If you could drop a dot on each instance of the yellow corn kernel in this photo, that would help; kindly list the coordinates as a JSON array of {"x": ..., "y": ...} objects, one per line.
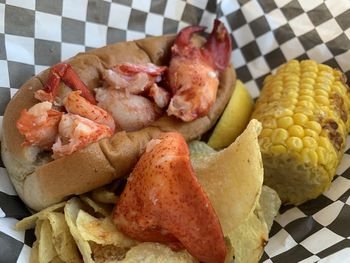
[
  {"x": 322, "y": 86},
  {"x": 326, "y": 78},
  {"x": 269, "y": 123},
  {"x": 277, "y": 83},
  {"x": 292, "y": 78},
  {"x": 309, "y": 142},
  {"x": 309, "y": 74},
  {"x": 291, "y": 83},
  {"x": 265, "y": 143},
  {"x": 338, "y": 74},
  {"x": 300, "y": 118},
  {"x": 314, "y": 125},
  {"x": 306, "y": 98},
  {"x": 307, "y": 92},
  {"x": 292, "y": 93},
  {"x": 322, "y": 100},
  {"x": 307, "y": 85},
  {"x": 282, "y": 112},
  {"x": 275, "y": 96},
  {"x": 291, "y": 87},
  {"x": 296, "y": 130},
  {"x": 323, "y": 67},
  {"x": 321, "y": 92},
  {"x": 338, "y": 88},
  {"x": 308, "y": 82},
  {"x": 285, "y": 122},
  {"x": 278, "y": 149},
  {"x": 309, "y": 67},
  {"x": 304, "y": 110},
  {"x": 309, "y": 63},
  {"x": 294, "y": 143},
  {"x": 324, "y": 133},
  {"x": 328, "y": 74},
  {"x": 288, "y": 100},
  {"x": 268, "y": 79},
  {"x": 279, "y": 136},
  {"x": 309, "y": 156},
  {"x": 324, "y": 81},
  {"x": 274, "y": 104},
  {"x": 307, "y": 104},
  {"x": 311, "y": 133},
  {"x": 291, "y": 65},
  {"x": 322, "y": 155},
  {"x": 324, "y": 142},
  {"x": 265, "y": 133},
  {"x": 288, "y": 105}
]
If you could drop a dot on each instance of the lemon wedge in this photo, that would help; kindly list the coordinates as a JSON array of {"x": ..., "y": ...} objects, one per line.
[{"x": 234, "y": 119}]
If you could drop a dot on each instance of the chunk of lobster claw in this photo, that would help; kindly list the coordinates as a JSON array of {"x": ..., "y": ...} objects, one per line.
[
  {"x": 65, "y": 73},
  {"x": 164, "y": 202},
  {"x": 193, "y": 71}
]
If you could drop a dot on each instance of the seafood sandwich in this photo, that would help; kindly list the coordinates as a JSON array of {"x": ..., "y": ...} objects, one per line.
[{"x": 86, "y": 121}]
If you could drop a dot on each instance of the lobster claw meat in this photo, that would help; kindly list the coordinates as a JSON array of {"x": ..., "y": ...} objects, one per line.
[
  {"x": 218, "y": 47},
  {"x": 193, "y": 71},
  {"x": 164, "y": 202},
  {"x": 65, "y": 73},
  {"x": 216, "y": 50}
]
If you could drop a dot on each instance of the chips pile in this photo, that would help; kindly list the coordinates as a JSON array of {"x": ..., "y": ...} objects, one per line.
[{"x": 81, "y": 229}]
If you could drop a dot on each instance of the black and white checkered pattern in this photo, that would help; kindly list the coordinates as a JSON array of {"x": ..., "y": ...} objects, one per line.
[{"x": 265, "y": 34}]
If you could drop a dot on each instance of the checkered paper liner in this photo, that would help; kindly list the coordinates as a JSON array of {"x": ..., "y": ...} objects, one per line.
[{"x": 37, "y": 34}]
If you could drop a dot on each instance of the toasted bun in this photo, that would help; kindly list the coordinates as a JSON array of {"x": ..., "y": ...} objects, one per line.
[{"x": 41, "y": 181}]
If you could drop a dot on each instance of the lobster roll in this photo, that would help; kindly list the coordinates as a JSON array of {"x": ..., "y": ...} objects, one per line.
[{"x": 86, "y": 121}]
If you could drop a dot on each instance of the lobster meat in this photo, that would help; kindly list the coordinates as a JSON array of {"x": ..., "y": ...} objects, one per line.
[
  {"x": 193, "y": 71},
  {"x": 164, "y": 202}
]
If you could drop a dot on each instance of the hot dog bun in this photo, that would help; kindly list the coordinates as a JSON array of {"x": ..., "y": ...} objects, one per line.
[{"x": 41, "y": 181}]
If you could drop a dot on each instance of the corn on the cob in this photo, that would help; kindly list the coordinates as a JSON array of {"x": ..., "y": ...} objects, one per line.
[{"x": 304, "y": 110}]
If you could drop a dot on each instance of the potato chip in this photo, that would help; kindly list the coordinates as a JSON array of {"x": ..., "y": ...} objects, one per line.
[
  {"x": 249, "y": 238},
  {"x": 71, "y": 211},
  {"x": 34, "y": 253},
  {"x": 104, "y": 196},
  {"x": 37, "y": 232},
  {"x": 103, "y": 209},
  {"x": 101, "y": 231},
  {"x": 233, "y": 177},
  {"x": 57, "y": 259},
  {"x": 34, "y": 256},
  {"x": 270, "y": 204},
  {"x": 29, "y": 222},
  {"x": 46, "y": 249},
  {"x": 148, "y": 252},
  {"x": 199, "y": 148},
  {"x": 230, "y": 251},
  {"x": 62, "y": 239},
  {"x": 103, "y": 253}
]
